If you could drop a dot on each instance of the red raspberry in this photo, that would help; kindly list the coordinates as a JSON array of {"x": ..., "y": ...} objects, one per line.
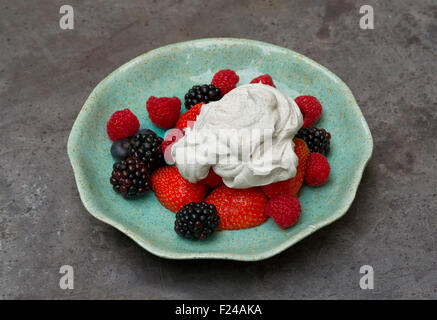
[
  {"x": 226, "y": 80},
  {"x": 284, "y": 209},
  {"x": 122, "y": 124},
  {"x": 264, "y": 79},
  {"x": 311, "y": 110},
  {"x": 170, "y": 138},
  {"x": 318, "y": 170},
  {"x": 164, "y": 112},
  {"x": 212, "y": 179}
]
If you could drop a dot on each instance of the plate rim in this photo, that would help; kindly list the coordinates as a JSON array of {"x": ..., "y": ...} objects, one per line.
[{"x": 88, "y": 203}]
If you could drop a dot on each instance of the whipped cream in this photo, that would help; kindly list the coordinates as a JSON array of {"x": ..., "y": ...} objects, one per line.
[{"x": 246, "y": 137}]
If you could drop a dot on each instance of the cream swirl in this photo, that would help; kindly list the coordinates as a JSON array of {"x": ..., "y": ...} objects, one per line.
[{"x": 246, "y": 137}]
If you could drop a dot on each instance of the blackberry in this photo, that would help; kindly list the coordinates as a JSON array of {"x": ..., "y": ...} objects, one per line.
[
  {"x": 318, "y": 140},
  {"x": 130, "y": 177},
  {"x": 145, "y": 145},
  {"x": 197, "y": 221},
  {"x": 204, "y": 93}
]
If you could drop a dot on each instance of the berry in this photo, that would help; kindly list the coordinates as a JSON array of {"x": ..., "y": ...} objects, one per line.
[
  {"x": 130, "y": 177},
  {"x": 164, "y": 112},
  {"x": 318, "y": 170},
  {"x": 189, "y": 117},
  {"x": 173, "y": 191},
  {"x": 292, "y": 185},
  {"x": 225, "y": 80},
  {"x": 204, "y": 93},
  {"x": 212, "y": 179},
  {"x": 311, "y": 110},
  {"x": 119, "y": 149},
  {"x": 122, "y": 124},
  {"x": 284, "y": 209},
  {"x": 146, "y": 146},
  {"x": 264, "y": 79},
  {"x": 196, "y": 221},
  {"x": 238, "y": 208},
  {"x": 170, "y": 138},
  {"x": 318, "y": 140}
]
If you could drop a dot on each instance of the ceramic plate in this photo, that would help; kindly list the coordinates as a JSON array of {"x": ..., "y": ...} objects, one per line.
[{"x": 171, "y": 71}]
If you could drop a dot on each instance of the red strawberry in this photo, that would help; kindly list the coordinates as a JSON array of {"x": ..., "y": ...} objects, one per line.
[
  {"x": 226, "y": 80},
  {"x": 173, "y": 191},
  {"x": 212, "y": 179},
  {"x": 264, "y": 79},
  {"x": 170, "y": 138},
  {"x": 238, "y": 208},
  {"x": 189, "y": 116},
  {"x": 311, "y": 110},
  {"x": 164, "y": 112},
  {"x": 291, "y": 186}
]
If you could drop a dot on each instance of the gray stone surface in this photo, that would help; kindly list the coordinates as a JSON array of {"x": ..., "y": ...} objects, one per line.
[{"x": 47, "y": 73}]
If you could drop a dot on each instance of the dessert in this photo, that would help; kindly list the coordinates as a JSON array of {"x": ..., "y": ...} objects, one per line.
[
  {"x": 238, "y": 156},
  {"x": 246, "y": 137}
]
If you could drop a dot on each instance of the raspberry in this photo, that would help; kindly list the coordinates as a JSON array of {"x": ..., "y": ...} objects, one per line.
[
  {"x": 122, "y": 124},
  {"x": 225, "y": 80},
  {"x": 318, "y": 170},
  {"x": 164, "y": 112},
  {"x": 264, "y": 79},
  {"x": 311, "y": 110},
  {"x": 284, "y": 209}
]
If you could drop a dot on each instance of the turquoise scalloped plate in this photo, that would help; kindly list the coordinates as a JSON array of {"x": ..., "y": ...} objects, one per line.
[{"x": 171, "y": 71}]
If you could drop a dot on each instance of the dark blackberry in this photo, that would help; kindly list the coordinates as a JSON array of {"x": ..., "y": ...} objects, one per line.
[
  {"x": 145, "y": 145},
  {"x": 130, "y": 177},
  {"x": 204, "y": 93},
  {"x": 197, "y": 221},
  {"x": 318, "y": 140}
]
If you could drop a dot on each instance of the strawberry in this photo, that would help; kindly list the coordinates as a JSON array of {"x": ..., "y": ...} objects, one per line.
[
  {"x": 238, "y": 208},
  {"x": 189, "y": 116},
  {"x": 293, "y": 185},
  {"x": 264, "y": 79},
  {"x": 212, "y": 179},
  {"x": 171, "y": 137},
  {"x": 173, "y": 191}
]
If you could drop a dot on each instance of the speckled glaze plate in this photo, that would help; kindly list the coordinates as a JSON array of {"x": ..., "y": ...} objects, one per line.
[{"x": 171, "y": 71}]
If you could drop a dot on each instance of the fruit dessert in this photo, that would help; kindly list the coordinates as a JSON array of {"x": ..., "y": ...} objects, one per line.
[{"x": 237, "y": 157}]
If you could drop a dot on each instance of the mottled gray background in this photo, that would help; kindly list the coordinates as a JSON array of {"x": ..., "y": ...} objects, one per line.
[{"x": 47, "y": 73}]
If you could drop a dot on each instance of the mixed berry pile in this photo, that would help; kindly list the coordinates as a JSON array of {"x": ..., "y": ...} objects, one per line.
[{"x": 206, "y": 206}]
